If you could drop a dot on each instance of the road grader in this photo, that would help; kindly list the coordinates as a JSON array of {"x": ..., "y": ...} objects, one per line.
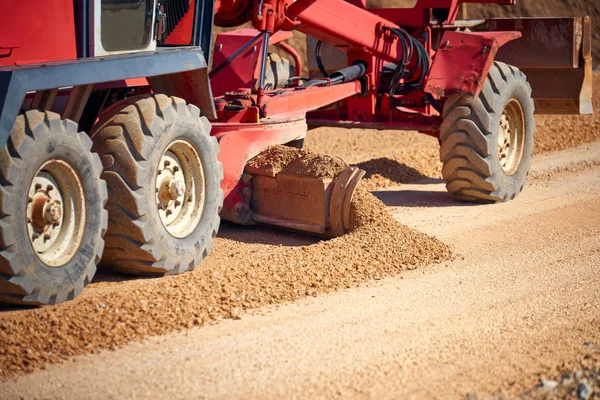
[{"x": 118, "y": 143}]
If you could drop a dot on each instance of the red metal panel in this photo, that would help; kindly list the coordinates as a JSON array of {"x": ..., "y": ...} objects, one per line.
[
  {"x": 182, "y": 34},
  {"x": 240, "y": 72},
  {"x": 463, "y": 61},
  {"x": 301, "y": 101},
  {"x": 37, "y": 31}
]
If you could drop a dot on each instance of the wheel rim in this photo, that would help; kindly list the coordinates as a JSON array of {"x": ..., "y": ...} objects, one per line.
[
  {"x": 180, "y": 188},
  {"x": 511, "y": 137},
  {"x": 55, "y": 213}
]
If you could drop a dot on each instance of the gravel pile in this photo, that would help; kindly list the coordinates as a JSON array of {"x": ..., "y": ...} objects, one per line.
[{"x": 248, "y": 268}]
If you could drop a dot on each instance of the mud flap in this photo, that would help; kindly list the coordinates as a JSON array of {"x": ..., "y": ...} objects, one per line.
[{"x": 556, "y": 56}]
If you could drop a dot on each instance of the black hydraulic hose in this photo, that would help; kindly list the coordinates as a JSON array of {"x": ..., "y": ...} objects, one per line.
[
  {"x": 410, "y": 46},
  {"x": 319, "y": 60},
  {"x": 344, "y": 75},
  {"x": 349, "y": 73}
]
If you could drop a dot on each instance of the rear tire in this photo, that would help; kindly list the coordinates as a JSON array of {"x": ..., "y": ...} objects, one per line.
[
  {"x": 52, "y": 216},
  {"x": 163, "y": 177},
  {"x": 487, "y": 142}
]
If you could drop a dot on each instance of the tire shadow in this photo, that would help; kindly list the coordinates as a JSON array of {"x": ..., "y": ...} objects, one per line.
[
  {"x": 254, "y": 234},
  {"x": 391, "y": 169},
  {"x": 437, "y": 196},
  {"x": 261, "y": 234}
]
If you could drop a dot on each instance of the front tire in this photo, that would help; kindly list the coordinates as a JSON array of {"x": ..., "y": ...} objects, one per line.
[
  {"x": 163, "y": 177},
  {"x": 52, "y": 216},
  {"x": 487, "y": 142}
]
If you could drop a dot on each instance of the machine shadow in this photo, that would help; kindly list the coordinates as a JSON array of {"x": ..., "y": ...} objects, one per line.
[
  {"x": 254, "y": 234},
  {"x": 391, "y": 169},
  {"x": 257, "y": 234},
  {"x": 436, "y": 197}
]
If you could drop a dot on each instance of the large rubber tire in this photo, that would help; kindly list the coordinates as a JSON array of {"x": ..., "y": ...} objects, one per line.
[
  {"x": 131, "y": 140},
  {"x": 36, "y": 139},
  {"x": 469, "y": 138}
]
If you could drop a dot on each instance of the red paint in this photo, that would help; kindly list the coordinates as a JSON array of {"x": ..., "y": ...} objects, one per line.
[
  {"x": 37, "y": 31},
  {"x": 463, "y": 61},
  {"x": 182, "y": 34}
]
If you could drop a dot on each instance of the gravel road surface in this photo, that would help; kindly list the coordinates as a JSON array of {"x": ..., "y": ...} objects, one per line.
[{"x": 519, "y": 303}]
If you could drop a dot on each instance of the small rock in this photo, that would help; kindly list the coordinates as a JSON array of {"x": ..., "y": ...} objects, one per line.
[
  {"x": 548, "y": 384},
  {"x": 578, "y": 374},
  {"x": 584, "y": 391}
]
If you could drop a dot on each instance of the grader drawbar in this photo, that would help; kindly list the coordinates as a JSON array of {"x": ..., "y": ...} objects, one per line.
[{"x": 118, "y": 146}]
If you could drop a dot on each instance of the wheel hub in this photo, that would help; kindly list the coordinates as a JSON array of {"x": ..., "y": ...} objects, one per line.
[
  {"x": 511, "y": 137},
  {"x": 180, "y": 188},
  {"x": 54, "y": 227}
]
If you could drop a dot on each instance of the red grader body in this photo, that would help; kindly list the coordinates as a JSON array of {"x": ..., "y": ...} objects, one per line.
[{"x": 117, "y": 144}]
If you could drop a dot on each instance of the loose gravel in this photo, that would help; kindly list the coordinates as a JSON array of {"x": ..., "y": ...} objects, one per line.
[{"x": 248, "y": 268}]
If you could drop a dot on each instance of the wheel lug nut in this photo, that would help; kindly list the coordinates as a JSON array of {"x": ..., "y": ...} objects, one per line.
[
  {"x": 177, "y": 203},
  {"x": 167, "y": 163},
  {"x": 46, "y": 237},
  {"x": 169, "y": 212},
  {"x": 38, "y": 186},
  {"x": 175, "y": 169},
  {"x": 55, "y": 223},
  {"x": 49, "y": 188},
  {"x": 35, "y": 235}
]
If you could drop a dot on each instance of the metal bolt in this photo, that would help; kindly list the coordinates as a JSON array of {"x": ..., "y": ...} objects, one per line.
[
  {"x": 49, "y": 188},
  {"x": 177, "y": 203},
  {"x": 38, "y": 186},
  {"x": 46, "y": 237},
  {"x": 35, "y": 235},
  {"x": 169, "y": 212},
  {"x": 175, "y": 168},
  {"x": 56, "y": 223},
  {"x": 167, "y": 163}
]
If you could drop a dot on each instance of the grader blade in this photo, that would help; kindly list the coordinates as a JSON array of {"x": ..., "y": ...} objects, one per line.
[
  {"x": 556, "y": 56},
  {"x": 319, "y": 206}
]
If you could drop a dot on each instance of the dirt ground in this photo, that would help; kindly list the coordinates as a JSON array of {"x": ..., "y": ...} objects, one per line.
[
  {"x": 251, "y": 268},
  {"x": 519, "y": 303},
  {"x": 426, "y": 297}
]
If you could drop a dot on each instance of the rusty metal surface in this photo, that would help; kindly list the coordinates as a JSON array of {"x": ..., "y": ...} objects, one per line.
[
  {"x": 555, "y": 54},
  {"x": 545, "y": 42},
  {"x": 319, "y": 206}
]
